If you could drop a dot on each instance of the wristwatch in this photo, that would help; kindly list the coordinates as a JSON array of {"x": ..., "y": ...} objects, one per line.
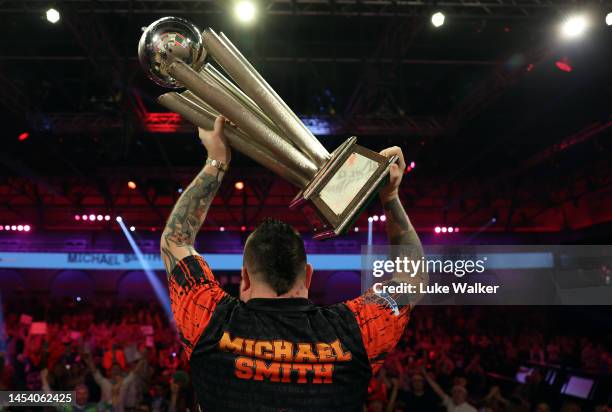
[{"x": 217, "y": 164}]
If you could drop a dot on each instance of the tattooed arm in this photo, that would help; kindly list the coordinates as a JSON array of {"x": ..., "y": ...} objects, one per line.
[
  {"x": 188, "y": 215},
  {"x": 403, "y": 239}
]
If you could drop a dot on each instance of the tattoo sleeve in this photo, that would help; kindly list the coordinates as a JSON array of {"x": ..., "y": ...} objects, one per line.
[
  {"x": 404, "y": 241},
  {"x": 188, "y": 216}
]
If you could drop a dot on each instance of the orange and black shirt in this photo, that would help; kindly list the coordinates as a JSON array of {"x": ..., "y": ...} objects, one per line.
[{"x": 281, "y": 354}]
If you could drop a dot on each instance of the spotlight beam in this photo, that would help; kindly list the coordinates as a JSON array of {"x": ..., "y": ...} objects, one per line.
[{"x": 160, "y": 292}]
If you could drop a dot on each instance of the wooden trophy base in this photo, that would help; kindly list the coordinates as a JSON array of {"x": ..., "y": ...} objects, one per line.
[{"x": 342, "y": 188}]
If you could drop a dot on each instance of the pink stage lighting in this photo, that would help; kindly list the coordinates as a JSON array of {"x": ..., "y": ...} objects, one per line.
[{"x": 16, "y": 228}]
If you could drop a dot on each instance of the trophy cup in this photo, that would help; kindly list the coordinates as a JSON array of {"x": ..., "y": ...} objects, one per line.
[{"x": 334, "y": 188}]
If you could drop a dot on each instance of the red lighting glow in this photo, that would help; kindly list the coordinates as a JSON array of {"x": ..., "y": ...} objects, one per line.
[
  {"x": 243, "y": 228},
  {"x": 162, "y": 122},
  {"x": 77, "y": 217},
  {"x": 563, "y": 65},
  {"x": 23, "y": 136}
]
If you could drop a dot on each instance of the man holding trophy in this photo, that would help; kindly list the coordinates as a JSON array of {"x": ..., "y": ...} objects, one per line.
[{"x": 271, "y": 349}]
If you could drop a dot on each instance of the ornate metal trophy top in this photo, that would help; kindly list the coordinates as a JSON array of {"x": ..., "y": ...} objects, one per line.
[
  {"x": 334, "y": 187},
  {"x": 164, "y": 41}
]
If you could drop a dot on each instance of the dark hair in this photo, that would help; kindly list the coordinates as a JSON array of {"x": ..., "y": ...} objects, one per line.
[{"x": 275, "y": 251}]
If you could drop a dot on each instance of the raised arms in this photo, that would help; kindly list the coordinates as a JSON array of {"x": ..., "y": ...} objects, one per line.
[
  {"x": 403, "y": 239},
  {"x": 188, "y": 214}
]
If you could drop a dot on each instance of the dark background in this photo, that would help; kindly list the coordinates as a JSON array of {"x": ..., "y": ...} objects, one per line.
[{"x": 494, "y": 127}]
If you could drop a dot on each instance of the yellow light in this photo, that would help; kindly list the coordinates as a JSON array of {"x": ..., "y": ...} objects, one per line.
[{"x": 245, "y": 11}]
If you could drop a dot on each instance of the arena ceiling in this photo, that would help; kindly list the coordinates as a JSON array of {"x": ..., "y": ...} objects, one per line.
[{"x": 495, "y": 128}]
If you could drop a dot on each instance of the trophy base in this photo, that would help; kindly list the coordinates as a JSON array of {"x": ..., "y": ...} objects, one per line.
[{"x": 342, "y": 188}]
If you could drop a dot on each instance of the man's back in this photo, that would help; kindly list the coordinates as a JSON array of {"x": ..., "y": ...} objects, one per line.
[
  {"x": 276, "y": 352},
  {"x": 279, "y": 354}
]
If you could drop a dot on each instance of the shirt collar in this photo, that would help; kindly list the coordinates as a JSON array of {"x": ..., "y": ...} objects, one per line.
[{"x": 281, "y": 304}]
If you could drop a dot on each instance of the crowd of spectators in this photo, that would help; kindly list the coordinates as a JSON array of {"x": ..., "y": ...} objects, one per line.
[{"x": 127, "y": 357}]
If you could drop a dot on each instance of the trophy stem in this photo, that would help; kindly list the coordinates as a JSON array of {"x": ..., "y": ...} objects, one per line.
[
  {"x": 243, "y": 73},
  {"x": 204, "y": 118},
  {"x": 223, "y": 82},
  {"x": 243, "y": 117}
]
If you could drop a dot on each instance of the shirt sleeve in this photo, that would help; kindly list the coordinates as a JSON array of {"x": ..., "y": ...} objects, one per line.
[
  {"x": 381, "y": 322},
  {"x": 194, "y": 295}
]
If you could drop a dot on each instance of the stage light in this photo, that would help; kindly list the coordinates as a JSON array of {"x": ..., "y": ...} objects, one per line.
[
  {"x": 451, "y": 229},
  {"x": 609, "y": 19},
  {"x": 564, "y": 65},
  {"x": 412, "y": 165},
  {"x": 7, "y": 227},
  {"x": 375, "y": 218},
  {"x": 370, "y": 219},
  {"x": 444, "y": 229},
  {"x": 180, "y": 190},
  {"x": 132, "y": 229},
  {"x": 437, "y": 19},
  {"x": 92, "y": 217},
  {"x": 493, "y": 219},
  {"x": 456, "y": 229},
  {"x": 131, "y": 184},
  {"x": 78, "y": 299},
  {"x": 239, "y": 185},
  {"x": 100, "y": 217},
  {"x": 26, "y": 228},
  {"x": 53, "y": 16},
  {"x": 119, "y": 219},
  {"x": 243, "y": 228},
  {"x": 23, "y": 136},
  {"x": 1, "y": 228},
  {"x": 437, "y": 229},
  {"x": 77, "y": 217},
  {"x": 356, "y": 229},
  {"x": 574, "y": 26},
  {"x": 222, "y": 229},
  {"x": 20, "y": 228},
  {"x": 383, "y": 218},
  {"x": 245, "y": 11},
  {"x": 14, "y": 227},
  {"x": 107, "y": 218}
]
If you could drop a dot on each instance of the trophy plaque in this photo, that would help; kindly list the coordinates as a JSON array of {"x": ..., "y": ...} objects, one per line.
[{"x": 334, "y": 187}]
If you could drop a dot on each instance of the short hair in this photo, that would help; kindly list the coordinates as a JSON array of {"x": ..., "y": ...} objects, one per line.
[{"x": 275, "y": 251}]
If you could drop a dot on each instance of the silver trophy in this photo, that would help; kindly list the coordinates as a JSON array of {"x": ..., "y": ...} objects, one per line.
[{"x": 334, "y": 188}]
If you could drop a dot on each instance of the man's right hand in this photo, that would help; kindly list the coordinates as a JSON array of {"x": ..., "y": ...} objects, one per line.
[{"x": 215, "y": 142}]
